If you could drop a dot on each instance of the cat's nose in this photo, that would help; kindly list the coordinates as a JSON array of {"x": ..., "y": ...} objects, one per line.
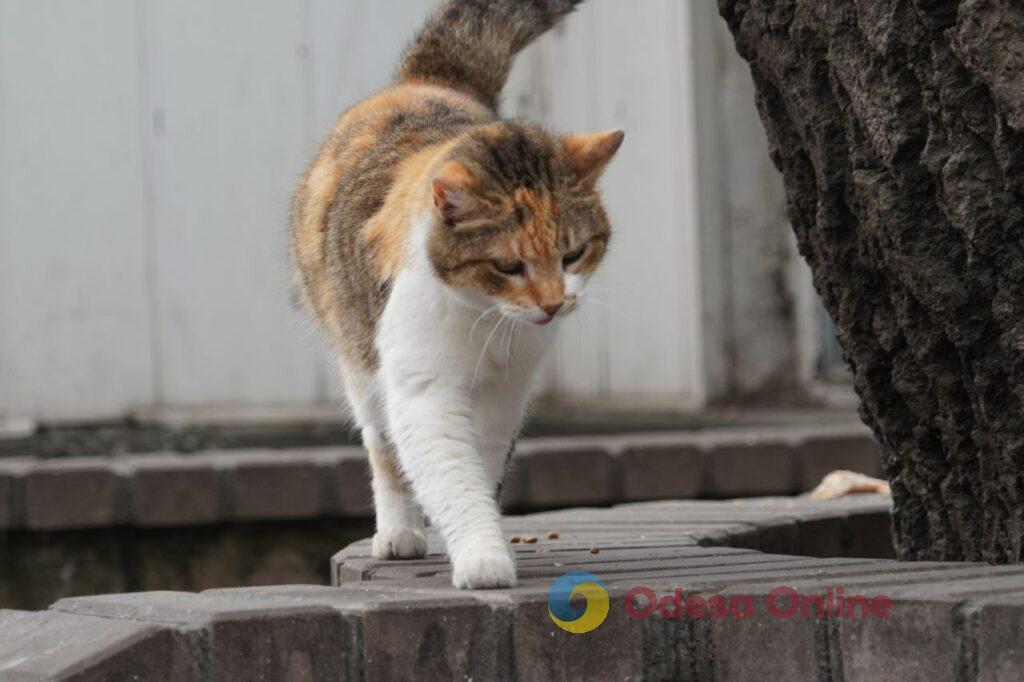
[{"x": 552, "y": 308}]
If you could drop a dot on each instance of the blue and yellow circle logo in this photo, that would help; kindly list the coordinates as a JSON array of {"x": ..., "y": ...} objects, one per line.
[{"x": 581, "y": 619}]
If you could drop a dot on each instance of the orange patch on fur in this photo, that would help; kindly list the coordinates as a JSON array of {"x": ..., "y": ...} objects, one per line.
[
  {"x": 538, "y": 234},
  {"x": 321, "y": 183},
  {"x": 387, "y": 234},
  {"x": 385, "y": 469},
  {"x": 537, "y": 241},
  {"x": 319, "y": 188}
]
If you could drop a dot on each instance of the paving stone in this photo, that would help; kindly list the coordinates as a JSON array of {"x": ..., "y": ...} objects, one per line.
[
  {"x": 7, "y": 481},
  {"x": 925, "y": 619},
  {"x": 343, "y": 476},
  {"x": 355, "y": 497},
  {"x": 434, "y": 588},
  {"x": 879, "y": 649},
  {"x": 728, "y": 575},
  {"x": 568, "y": 471},
  {"x": 172, "y": 490},
  {"x": 987, "y": 582},
  {"x": 240, "y": 639},
  {"x": 672, "y": 569},
  {"x": 765, "y": 646},
  {"x": 749, "y": 464},
  {"x": 515, "y": 489},
  {"x": 269, "y": 485},
  {"x": 660, "y": 468},
  {"x": 818, "y": 455},
  {"x": 821, "y": 537},
  {"x": 999, "y": 624},
  {"x": 673, "y": 649},
  {"x": 898, "y": 581},
  {"x": 869, "y": 535},
  {"x": 902, "y": 582},
  {"x": 779, "y": 537},
  {"x": 53, "y": 645},
  {"x": 314, "y": 481},
  {"x": 443, "y": 640},
  {"x": 346, "y": 600},
  {"x": 543, "y": 651},
  {"x": 641, "y": 557},
  {"x": 947, "y": 621},
  {"x": 69, "y": 493},
  {"x": 436, "y": 634},
  {"x": 582, "y": 528}
]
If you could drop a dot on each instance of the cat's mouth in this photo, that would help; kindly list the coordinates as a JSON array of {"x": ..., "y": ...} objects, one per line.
[{"x": 544, "y": 320}]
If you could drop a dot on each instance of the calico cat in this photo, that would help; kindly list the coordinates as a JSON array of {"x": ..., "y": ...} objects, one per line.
[{"x": 438, "y": 245}]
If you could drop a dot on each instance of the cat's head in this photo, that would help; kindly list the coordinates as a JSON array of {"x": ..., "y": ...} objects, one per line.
[{"x": 518, "y": 220}]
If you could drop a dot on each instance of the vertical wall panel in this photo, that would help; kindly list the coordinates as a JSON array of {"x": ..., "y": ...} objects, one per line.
[
  {"x": 74, "y": 321},
  {"x": 652, "y": 264},
  {"x": 227, "y": 90}
]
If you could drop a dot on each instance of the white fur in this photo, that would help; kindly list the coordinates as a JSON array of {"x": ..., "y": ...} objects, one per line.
[{"x": 454, "y": 380}]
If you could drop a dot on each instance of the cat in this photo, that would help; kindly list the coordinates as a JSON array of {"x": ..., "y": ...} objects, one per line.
[{"x": 438, "y": 245}]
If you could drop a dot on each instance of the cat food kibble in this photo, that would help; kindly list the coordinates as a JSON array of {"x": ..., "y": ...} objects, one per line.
[
  {"x": 529, "y": 539},
  {"x": 552, "y": 535},
  {"x": 594, "y": 550},
  {"x": 514, "y": 539}
]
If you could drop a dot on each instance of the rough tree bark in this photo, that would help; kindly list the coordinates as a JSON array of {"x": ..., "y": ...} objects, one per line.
[{"x": 898, "y": 126}]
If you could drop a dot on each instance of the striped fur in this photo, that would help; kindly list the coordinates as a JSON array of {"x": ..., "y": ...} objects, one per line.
[{"x": 469, "y": 45}]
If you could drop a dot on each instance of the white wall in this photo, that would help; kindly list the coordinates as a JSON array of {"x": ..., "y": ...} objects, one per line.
[
  {"x": 76, "y": 324},
  {"x": 760, "y": 309},
  {"x": 148, "y": 150}
]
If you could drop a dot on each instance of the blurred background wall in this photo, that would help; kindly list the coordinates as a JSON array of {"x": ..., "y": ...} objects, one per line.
[{"x": 148, "y": 150}]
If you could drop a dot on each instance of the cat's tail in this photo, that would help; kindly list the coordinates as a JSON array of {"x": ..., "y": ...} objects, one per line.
[{"x": 469, "y": 45}]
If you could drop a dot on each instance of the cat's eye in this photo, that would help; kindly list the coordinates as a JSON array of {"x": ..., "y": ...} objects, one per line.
[
  {"x": 574, "y": 255},
  {"x": 508, "y": 266}
]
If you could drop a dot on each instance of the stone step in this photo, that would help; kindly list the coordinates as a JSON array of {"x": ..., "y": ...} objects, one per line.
[
  {"x": 403, "y": 620},
  {"x": 161, "y": 490}
]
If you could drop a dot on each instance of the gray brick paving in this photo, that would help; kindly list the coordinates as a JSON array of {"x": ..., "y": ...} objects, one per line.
[
  {"x": 403, "y": 620},
  {"x": 295, "y": 483}
]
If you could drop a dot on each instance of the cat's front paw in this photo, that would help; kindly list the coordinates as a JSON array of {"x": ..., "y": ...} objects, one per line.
[
  {"x": 484, "y": 569},
  {"x": 399, "y": 543}
]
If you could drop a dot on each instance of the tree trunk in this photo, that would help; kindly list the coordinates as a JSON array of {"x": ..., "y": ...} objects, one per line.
[{"x": 898, "y": 126}]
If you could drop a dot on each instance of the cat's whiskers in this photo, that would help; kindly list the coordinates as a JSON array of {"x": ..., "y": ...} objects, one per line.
[
  {"x": 483, "y": 351},
  {"x": 581, "y": 318},
  {"x": 512, "y": 329},
  {"x": 603, "y": 305},
  {"x": 484, "y": 314},
  {"x": 617, "y": 287}
]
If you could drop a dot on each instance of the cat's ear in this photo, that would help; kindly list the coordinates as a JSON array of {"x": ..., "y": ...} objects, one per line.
[
  {"x": 455, "y": 192},
  {"x": 590, "y": 153}
]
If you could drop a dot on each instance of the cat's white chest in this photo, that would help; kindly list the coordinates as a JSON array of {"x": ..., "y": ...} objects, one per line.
[
  {"x": 425, "y": 332},
  {"x": 501, "y": 346}
]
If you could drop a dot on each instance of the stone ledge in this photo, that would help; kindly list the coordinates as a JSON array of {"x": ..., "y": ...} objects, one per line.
[
  {"x": 49, "y": 645},
  {"x": 402, "y": 619},
  {"x": 248, "y": 485},
  {"x": 945, "y": 617}
]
